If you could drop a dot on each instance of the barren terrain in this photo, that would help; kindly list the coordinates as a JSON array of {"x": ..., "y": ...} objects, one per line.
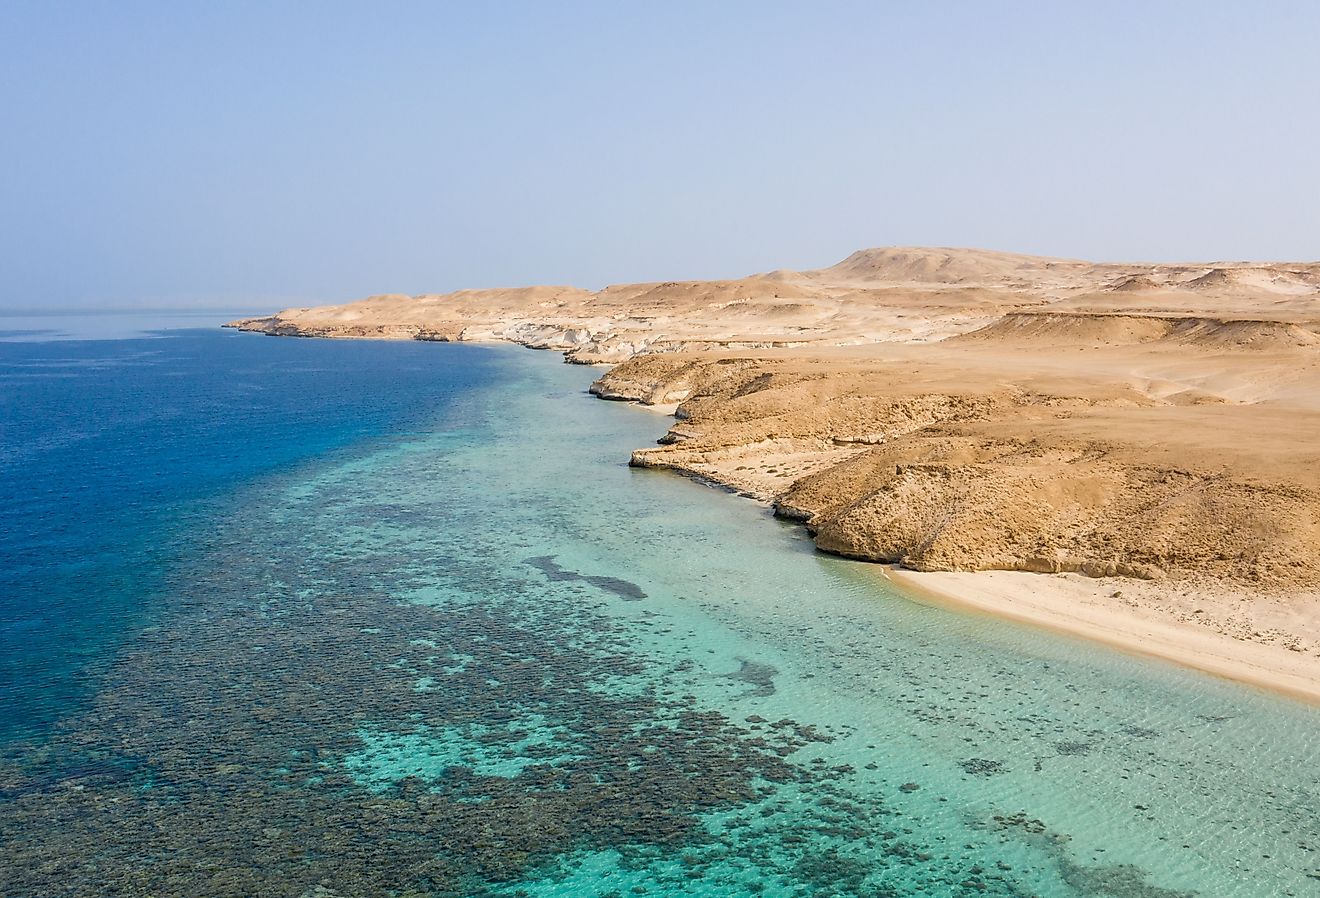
[{"x": 1147, "y": 434}]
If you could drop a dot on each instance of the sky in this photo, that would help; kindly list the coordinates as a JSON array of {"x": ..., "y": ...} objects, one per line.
[{"x": 257, "y": 155}]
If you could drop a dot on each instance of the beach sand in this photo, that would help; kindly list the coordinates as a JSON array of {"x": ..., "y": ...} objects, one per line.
[{"x": 1248, "y": 640}]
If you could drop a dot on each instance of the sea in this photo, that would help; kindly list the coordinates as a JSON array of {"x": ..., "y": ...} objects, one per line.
[{"x": 318, "y": 618}]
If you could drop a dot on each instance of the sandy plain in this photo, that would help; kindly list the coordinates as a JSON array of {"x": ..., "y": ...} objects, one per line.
[{"x": 1129, "y": 452}]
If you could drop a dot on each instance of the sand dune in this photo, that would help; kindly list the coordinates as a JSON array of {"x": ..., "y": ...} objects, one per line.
[{"x": 1152, "y": 430}]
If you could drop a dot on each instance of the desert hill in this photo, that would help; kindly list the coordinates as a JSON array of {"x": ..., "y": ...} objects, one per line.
[{"x": 901, "y": 294}]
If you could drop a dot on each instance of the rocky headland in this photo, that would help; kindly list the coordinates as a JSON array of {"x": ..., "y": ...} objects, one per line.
[{"x": 1147, "y": 434}]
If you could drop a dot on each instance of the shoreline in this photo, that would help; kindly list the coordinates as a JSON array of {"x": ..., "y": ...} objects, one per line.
[
  {"x": 1086, "y": 607},
  {"x": 1059, "y": 603},
  {"x": 1072, "y": 604}
]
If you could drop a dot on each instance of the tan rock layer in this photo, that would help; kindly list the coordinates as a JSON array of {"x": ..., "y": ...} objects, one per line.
[
  {"x": 887, "y": 461},
  {"x": 959, "y": 409}
]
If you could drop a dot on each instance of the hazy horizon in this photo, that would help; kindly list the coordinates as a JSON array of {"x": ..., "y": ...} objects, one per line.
[{"x": 258, "y": 156}]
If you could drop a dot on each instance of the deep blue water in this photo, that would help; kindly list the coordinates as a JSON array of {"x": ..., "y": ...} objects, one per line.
[
  {"x": 113, "y": 453},
  {"x": 308, "y": 619}
]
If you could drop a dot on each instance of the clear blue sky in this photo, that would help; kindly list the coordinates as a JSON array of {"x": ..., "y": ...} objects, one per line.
[{"x": 276, "y": 153}]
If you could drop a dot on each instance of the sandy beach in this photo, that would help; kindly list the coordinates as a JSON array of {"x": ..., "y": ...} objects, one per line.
[
  {"x": 1135, "y": 621},
  {"x": 1127, "y": 452}
]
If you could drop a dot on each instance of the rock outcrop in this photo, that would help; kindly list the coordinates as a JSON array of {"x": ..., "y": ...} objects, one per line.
[{"x": 959, "y": 409}]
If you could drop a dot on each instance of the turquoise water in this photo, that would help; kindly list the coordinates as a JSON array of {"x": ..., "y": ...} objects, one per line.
[{"x": 452, "y": 645}]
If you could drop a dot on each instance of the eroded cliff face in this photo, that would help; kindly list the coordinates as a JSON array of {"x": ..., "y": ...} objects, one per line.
[{"x": 966, "y": 463}]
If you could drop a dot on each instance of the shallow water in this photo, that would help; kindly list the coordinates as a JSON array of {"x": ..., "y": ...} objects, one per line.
[{"x": 462, "y": 649}]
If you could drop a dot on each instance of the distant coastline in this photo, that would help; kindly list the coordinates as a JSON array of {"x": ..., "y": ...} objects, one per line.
[{"x": 1147, "y": 434}]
